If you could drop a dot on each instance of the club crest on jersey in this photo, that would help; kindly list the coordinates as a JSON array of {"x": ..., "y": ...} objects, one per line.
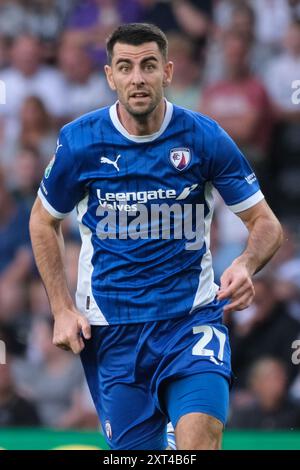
[{"x": 180, "y": 158}]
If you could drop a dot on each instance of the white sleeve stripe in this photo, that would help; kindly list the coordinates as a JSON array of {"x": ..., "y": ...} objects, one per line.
[
  {"x": 247, "y": 203},
  {"x": 49, "y": 208}
]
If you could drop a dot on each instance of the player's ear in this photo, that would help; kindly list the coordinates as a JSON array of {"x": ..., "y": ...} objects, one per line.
[
  {"x": 168, "y": 73},
  {"x": 109, "y": 77}
]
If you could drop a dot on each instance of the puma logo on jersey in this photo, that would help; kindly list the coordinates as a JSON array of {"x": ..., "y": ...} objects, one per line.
[{"x": 111, "y": 162}]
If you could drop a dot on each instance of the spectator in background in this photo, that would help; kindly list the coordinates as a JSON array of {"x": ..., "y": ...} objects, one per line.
[
  {"x": 36, "y": 127},
  {"x": 4, "y": 52},
  {"x": 49, "y": 376},
  {"x": 65, "y": 7},
  {"x": 27, "y": 76},
  {"x": 37, "y": 298},
  {"x": 14, "y": 232},
  {"x": 15, "y": 266},
  {"x": 14, "y": 409},
  {"x": 273, "y": 19},
  {"x": 43, "y": 19},
  {"x": 288, "y": 252},
  {"x": 40, "y": 18},
  {"x": 82, "y": 415},
  {"x": 242, "y": 20},
  {"x": 286, "y": 273},
  {"x": 270, "y": 407},
  {"x": 223, "y": 11},
  {"x": 190, "y": 18},
  {"x": 27, "y": 174},
  {"x": 279, "y": 77},
  {"x": 280, "y": 74},
  {"x": 185, "y": 88},
  {"x": 240, "y": 103},
  {"x": 14, "y": 315},
  {"x": 12, "y": 18},
  {"x": 85, "y": 88},
  {"x": 295, "y": 8},
  {"x": 34, "y": 130},
  {"x": 263, "y": 329},
  {"x": 93, "y": 20}
]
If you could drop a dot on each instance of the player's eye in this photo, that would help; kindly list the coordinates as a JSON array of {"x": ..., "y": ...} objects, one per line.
[
  {"x": 150, "y": 67},
  {"x": 124, "y": 68}
]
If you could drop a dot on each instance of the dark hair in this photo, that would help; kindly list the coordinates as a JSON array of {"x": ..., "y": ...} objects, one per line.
[{"x": 136, "y": 34}]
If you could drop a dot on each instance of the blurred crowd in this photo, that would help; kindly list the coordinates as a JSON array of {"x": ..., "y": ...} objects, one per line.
[{"x": 236, "y": 61}]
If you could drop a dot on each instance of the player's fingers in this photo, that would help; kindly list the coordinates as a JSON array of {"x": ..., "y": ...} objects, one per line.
[
  {"x": 61, "y": 342},
  {"x": 239, "y": 304},
  {"x": 243, "y": 290},
  {"x": 240, "y": 283},
  {"x": 63, "y": 346},
  {"x": 85, "y": 328},
  {"x": 227, "y": 293},
  {"x": 225, "y": 280},
  {"x": 77, "y": 344},
  {"x": 228, "y": 284}
]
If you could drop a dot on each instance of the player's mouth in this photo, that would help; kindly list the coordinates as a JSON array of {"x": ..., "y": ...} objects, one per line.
[{"x": 139, "y": 95}]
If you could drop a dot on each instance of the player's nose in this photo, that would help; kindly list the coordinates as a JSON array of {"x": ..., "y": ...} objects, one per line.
[{"x": 137, "y": 77}]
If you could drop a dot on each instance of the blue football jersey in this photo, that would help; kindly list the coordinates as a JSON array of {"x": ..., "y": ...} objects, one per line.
[{"x": 144, "y": 206}]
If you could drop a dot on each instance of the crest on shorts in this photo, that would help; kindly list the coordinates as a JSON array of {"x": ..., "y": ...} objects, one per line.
[
  {"x": 180, "y": 158},
  {"x": 108, "y": 430}
]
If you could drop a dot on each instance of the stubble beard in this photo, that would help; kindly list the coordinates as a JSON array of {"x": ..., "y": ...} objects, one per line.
[{"x": 142, "y": 115}]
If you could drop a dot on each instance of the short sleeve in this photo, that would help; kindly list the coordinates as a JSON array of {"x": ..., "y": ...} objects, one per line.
[
  {"x": 232, "y": 175},
  {"x": 61, "y": 188}
]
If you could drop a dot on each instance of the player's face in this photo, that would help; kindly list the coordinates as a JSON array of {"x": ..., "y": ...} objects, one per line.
[{"x": 139, "y": 75}]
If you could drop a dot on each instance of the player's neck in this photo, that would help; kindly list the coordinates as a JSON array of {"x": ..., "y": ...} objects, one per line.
[{"x": 142, "y": 125}]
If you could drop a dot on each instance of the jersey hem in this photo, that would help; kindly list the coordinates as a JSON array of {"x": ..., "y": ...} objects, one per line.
[{"x": 146, "y": 319}]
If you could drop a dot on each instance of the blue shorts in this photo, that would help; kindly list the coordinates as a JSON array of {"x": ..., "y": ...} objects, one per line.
[{"x": 143, "y": 375}]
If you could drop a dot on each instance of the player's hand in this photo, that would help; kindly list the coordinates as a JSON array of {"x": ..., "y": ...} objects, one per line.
[
  {"x": 236, "y": 285},
  {"x": 69, "y": 327}
]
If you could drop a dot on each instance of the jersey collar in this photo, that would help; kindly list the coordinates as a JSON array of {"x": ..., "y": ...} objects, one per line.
[{"x": 141, "y": 138}]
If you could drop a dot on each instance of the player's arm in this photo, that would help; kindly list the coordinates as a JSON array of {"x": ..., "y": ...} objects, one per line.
[
  {"x": 265, "y": 237},
  {"x": 48, "y": 246}
]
